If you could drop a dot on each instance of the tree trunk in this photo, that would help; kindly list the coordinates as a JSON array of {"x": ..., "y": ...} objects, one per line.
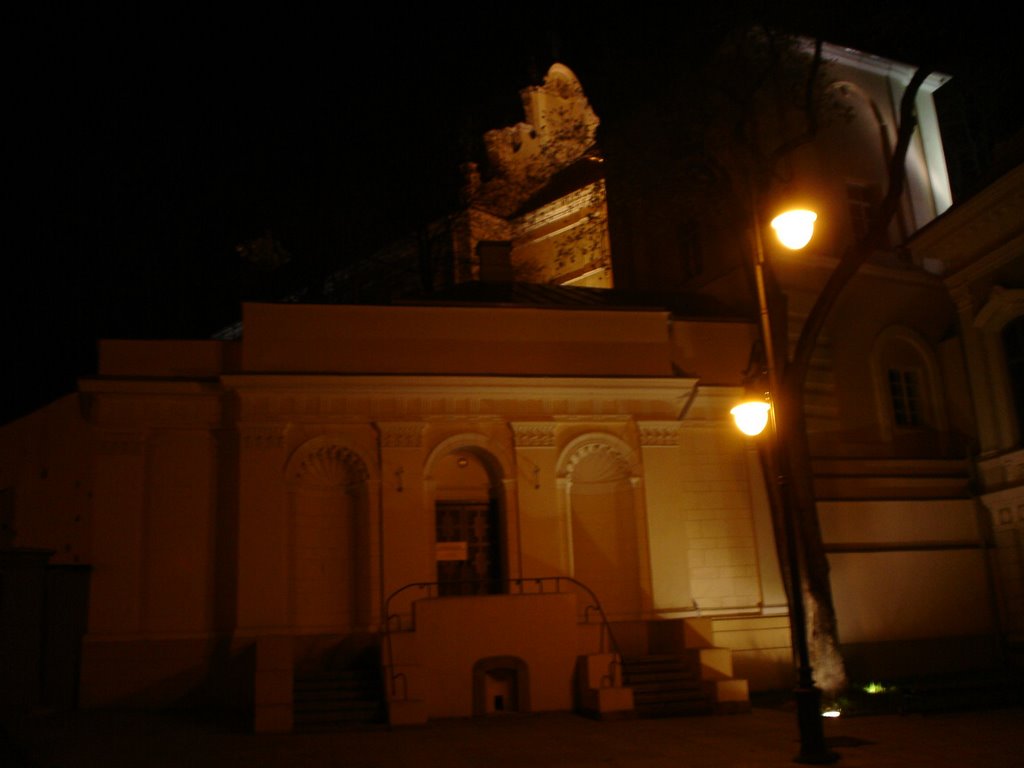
[{"x": 795, "y": 459}]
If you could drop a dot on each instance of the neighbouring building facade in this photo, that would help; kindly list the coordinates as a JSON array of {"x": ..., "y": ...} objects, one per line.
[{"x": 516, "y": 504}]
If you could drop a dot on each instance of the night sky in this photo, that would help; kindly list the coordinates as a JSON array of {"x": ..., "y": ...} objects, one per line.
[{"x": 141, "y": 151}]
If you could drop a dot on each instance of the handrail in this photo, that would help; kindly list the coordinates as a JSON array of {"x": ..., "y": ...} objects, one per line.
[{"x": 539, "y": 581}]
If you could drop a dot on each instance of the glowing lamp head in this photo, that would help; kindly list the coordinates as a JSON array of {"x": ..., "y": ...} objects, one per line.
[
  {"x": 794, "y": 228},
  {"x": 751, "y": 417}
]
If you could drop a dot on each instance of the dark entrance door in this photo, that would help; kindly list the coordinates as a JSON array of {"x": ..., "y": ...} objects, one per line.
[{"x": 468, "y": 548}]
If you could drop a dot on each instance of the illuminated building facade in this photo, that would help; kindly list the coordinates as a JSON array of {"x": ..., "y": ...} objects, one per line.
[{"x": 447, "y": 490}]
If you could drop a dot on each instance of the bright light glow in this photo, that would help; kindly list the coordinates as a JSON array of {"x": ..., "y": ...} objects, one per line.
[
  {"x": 794, "y": 228},
  {"x": 751, "y": 417},
  {"x": 831, "y": 712},
  {"x": 874, "y": 688}
]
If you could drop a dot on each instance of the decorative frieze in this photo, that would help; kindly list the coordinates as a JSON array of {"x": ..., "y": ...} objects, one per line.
[
  {"x": 261, "y": 438},
  {"x": 1006, "y": 517},
  {"x": 534, "y": 435},
  {"x": 1004, "y": 470},
  {"x": 664, "y": 433},
  {"x": 401, "y": 434}
]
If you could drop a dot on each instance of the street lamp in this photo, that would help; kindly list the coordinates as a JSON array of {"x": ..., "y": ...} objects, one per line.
[
  {"x": 751, "y": 417},
  {"x": 794, "y": 229}
]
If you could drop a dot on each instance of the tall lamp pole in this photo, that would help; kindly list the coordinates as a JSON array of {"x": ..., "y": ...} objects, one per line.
[{"x": 794, "y": 230}]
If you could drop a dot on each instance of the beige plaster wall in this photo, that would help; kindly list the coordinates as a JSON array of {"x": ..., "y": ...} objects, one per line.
[
  {"x": 667, "y": 521},
  {"x": 454, "y": 633},
  {"x": 910, "y": 521},
  {"x": 176, "y": 357},
  {"x": 543, "y": 530},
  {"x": 46, "y": 468},
  {"x": 910, "y": 569},
  {"x": 715, "y": 493},
  {"x": 910, "y": 594},
  {"x": 118, "y": 536},
  {"x": 452, "y": 340},
  {"x": 716, "y": 352},
  {"x": 263, "y": 534}
]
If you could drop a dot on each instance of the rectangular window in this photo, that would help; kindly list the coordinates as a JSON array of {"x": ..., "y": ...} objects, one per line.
[{"x": 860, "y": 199}]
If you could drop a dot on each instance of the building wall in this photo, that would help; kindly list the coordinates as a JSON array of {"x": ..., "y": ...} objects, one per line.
[{"x": 296, "y": 504}]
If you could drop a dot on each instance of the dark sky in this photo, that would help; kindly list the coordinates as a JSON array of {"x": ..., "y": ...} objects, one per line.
[{"x": 141, "y": 151}]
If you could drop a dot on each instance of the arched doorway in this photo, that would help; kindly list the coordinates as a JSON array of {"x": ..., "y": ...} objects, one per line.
[{"x": 469, "y": 545}]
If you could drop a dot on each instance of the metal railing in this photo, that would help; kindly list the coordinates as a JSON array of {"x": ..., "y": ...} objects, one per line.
[{"x": 514, "y": 587}]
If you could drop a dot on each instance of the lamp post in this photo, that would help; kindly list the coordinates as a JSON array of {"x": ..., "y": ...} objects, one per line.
[{"x": 794, "y": 229}]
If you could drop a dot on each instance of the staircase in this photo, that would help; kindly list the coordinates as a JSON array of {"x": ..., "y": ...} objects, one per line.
[
  {"x": 666, "y": 685},
  {"x": 338, "y": 699}
]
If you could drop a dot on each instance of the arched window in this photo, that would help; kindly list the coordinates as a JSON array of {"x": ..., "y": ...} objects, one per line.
[{"x": 908, "y": 390}]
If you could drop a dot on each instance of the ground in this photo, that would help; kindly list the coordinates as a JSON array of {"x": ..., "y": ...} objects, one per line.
[{"x": 766, "y": 737}]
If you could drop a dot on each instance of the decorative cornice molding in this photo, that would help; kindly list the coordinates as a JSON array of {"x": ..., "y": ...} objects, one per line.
[
  {"x": 271, "y": 397},
  {"x": 665, "y": 433},
  {"x": 261, "y": 437},
  {"x": 975, "y": 237}
]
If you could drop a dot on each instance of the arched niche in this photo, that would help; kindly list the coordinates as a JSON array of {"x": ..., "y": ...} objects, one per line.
[
  {"x": 331, "y": 552},
  {"x": 603, "y": 506}
]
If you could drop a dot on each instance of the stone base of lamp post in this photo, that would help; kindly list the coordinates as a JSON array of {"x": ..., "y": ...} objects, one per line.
[{"x": 813, "y": 750}]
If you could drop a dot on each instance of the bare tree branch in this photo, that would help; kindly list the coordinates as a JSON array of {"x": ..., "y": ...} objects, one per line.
[
  {"x": 858, "y": 252},
  {"x": 810, "y": 114}
]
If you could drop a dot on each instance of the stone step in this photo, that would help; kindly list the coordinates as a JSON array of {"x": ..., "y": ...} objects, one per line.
[
  {"x": 659, "y": 662},
  {"x": 666, "y": 685},
  {"x": 635, "y": 679},
  {"x": 337, "y": 700}
]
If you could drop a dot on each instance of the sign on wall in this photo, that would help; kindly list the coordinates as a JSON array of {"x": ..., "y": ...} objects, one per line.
[{"x": 451, "y": 550}]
